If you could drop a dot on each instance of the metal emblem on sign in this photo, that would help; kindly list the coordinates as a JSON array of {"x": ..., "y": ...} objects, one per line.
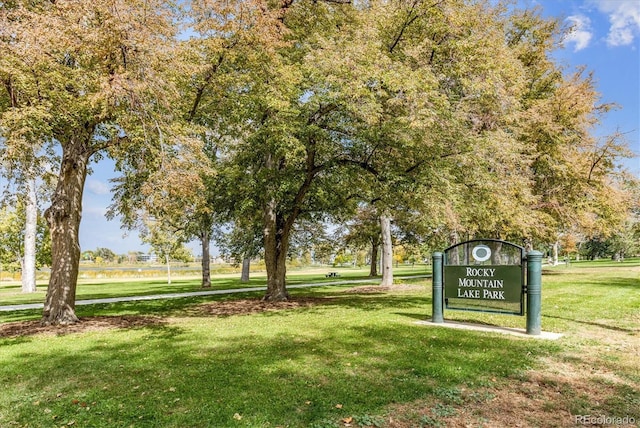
[{"x": 481, "y": 253}]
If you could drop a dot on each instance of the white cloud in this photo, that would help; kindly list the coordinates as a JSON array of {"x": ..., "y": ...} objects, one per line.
[
  {"x": 98, "y": 187},
  {"x": 580, "y": 34},
  {"x": 94, "y": 211},
  {"x": 624, "y": 17}
]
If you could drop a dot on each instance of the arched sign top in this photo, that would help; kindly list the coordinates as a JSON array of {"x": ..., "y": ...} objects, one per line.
[{"x": 484, "y": 252}]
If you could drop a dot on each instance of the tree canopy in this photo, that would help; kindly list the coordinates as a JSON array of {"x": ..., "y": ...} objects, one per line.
[{"x": 448, "y": 117}]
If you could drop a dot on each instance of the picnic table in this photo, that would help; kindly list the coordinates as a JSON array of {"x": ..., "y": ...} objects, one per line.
[{"x": 332, "y": 275}]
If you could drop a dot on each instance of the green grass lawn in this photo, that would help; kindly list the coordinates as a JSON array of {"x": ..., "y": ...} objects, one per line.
[
  {"x": 333, "y": 360},
  {"x": 10, "y": 293}
]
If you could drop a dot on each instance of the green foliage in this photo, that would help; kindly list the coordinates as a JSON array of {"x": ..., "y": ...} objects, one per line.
[
  {"x": 165, "y": 242},
  {"x": 596, "y": 248},
  {"x": 12, "y": 238},
  {"x": 343, "y": 257},
  {"x": 369, "y": 421},
  {"x": 105, "y": 253},
  {"x": 451, "y": 117}
]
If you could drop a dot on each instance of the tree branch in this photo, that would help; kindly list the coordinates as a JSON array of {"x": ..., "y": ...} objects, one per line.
[
  {"x": 320, "y": 112},
  {"x": 200, "y": 91},
  {"x": 286, "y": 4},
  {"x": 410, "y": 20},
  {"x": 363, "y": 165},
  {"x": 10, "y": 92}
]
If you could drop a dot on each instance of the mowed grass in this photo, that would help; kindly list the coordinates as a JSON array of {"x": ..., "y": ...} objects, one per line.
[
  {"x": 10, "y": 293},
  {"x": 346, "y": 358}
]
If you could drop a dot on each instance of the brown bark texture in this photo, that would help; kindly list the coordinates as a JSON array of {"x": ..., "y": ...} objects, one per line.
[
  {"x": 387, "y": 251},
  {"x": 246, "y": 266},
  {"x": 206, "y": 260},
  {"x": 373, "y": 269},
  {"x": 63, "y": 217},
  {"x": 276, "y": 241}
]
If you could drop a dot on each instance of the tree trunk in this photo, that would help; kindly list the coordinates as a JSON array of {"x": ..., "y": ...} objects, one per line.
[
  {"x": 528, "y": 245},
  {"x": 373, "y": 270},
  {"x": 30, "y": 230},
  {"x": 387, "y": 251},
  {"x": 167, "y": 260},
  {"x": 246, "y": 265},
  {"x": 555, "y": 253},
  {"x": 206, "y": 259},
  {"x": 277, "y": 228},
  {"x": 276, "y": 242},
  {"x": 63, "y": 217}
]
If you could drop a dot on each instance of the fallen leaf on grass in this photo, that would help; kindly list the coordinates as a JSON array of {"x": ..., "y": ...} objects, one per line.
[
  {"x": 338, "y": 406},
  {"x": 237, "y": 416},
  {"x": 347, "y": 420}
]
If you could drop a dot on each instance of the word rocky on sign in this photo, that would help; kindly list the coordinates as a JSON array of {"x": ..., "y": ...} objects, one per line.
[{"x": 480, "y": 271}]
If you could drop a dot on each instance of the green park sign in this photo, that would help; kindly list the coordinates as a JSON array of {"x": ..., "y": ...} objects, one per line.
[
  {"x": 488, "y": 275},
  {"x": 494, "y": 283},
  {"x": 484, "y": 275}
]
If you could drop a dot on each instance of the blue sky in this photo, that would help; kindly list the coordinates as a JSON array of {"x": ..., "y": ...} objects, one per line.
[{"x": 606, "y": 39}]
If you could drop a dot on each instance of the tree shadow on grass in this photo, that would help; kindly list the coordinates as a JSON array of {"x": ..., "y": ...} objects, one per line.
[
  {"x": 286, "y": 373},
  {"x": 32, "y": 328},
  {"x": 597, "y": 324},
  {"x": 154, "y": 313},
  {"x": 254, "y": 305}
]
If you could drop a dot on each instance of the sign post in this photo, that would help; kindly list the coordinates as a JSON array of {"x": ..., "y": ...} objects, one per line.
[
  {"x": 534, "y": 292},
  {"x": 436, "y": 296}
]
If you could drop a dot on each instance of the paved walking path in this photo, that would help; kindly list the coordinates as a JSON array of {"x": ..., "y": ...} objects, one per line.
[{"x": 8, "y": 308}]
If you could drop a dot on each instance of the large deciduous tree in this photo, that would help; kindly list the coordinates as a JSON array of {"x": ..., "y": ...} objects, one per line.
[
  {"x": 370, "y": 102},
  {"x": 222, "y": 41},
  {"x": 84, "y": 77},
  {"x": 576, "y": 184},
  {"x": 281, "y": 155}
]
